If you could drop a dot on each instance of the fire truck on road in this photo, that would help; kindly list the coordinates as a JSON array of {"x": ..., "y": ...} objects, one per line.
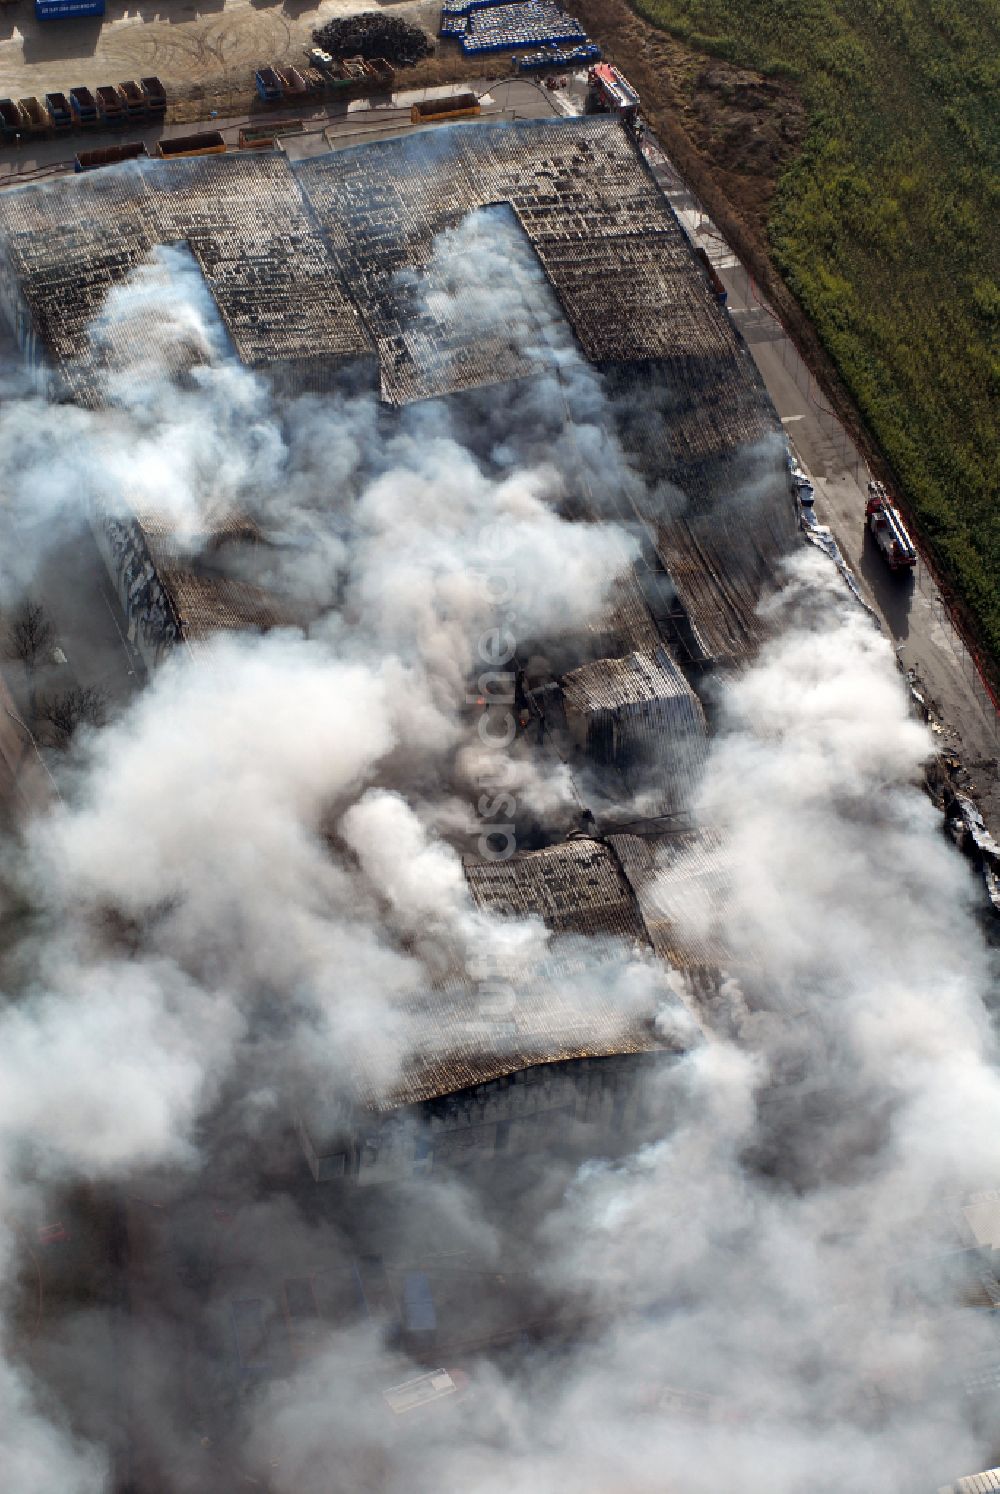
[
  {"x": 882, "y": 518},
  {"x": 609, "y": 92}
]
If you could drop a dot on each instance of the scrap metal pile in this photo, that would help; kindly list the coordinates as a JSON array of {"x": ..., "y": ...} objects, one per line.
[{"x": 371, "y": 35}]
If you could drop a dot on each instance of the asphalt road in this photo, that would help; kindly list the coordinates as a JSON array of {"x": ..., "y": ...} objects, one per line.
[{"x": 911, "y": 608}]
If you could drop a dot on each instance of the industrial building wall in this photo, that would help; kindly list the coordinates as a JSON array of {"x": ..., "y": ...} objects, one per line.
[{"x": 16, "y": 314}]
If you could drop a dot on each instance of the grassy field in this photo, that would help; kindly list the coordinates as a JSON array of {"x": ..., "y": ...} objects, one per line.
[{"x": 887, "y": 228}]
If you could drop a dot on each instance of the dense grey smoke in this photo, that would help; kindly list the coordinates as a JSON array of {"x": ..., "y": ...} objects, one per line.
[
  {"x": 253, "y": 879},
  {"x": 768, "y": 1279}
]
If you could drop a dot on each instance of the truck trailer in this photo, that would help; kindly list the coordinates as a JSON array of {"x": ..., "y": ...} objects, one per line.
[
  {"x": 133, "y": 99},
  {"x": 110, "y": 106},
  {"x": 59, "y": 111},
  {"x": 83, "y": 107},
  {"x": 455, "y": 106},
  {"x": 35, "y": 116},
  {"x": 109, "y": 155},
  {"x": 155, "y": 95},
  {"x": 12, "y": 123}
]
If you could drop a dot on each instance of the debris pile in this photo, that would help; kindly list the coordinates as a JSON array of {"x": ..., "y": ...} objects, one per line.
[{"x": 373, "y": 35}]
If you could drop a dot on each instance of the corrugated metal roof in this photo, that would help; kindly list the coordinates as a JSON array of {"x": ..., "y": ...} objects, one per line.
[
  {"x": 639, "y": 715},
  {"x": 210, "y": 604},
  {"x": 168, "y": 542},
  {"x": 576, "y": 887},
  {"x": 626, "y": 623},
  {"x": 978, "y": 1483},
  {"x": 557, "y": 1007},
  {"x": 460, "y": 1060},
  {"x": 679, "y": 882},
  {"x": 636, "y": 679}
]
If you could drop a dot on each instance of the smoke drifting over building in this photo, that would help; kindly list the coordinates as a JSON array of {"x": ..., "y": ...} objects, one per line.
[{"x": 505, "y": 930}]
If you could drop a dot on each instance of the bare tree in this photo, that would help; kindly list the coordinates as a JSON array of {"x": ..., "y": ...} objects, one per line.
[
  {"x": 30, "y": 637},
  {"x": 81, "y": 704}
]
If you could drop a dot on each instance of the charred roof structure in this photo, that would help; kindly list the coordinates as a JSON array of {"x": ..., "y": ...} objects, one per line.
[
  {"x": 345, "y": 266},
  {"x": 636, "y": 714},
  {"x": 643, "y": 889},
  {"x": 500, "y": 1071},
  {"x": 692, "y": 407},
  {"x": 576, "y": 888},
  {"x": 242, "y": 216},
  {"x": 314, "y": 267}
]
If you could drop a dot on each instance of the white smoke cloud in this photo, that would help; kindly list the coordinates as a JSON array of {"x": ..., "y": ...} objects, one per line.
[
  {"x": 257, "y": 869},
  {"x": 747, "y": 1272}
]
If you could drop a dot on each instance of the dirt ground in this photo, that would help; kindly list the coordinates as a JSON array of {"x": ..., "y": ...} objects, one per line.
[
  {"x": 232, "y": 96},
  {"x": 209, "y": 46}
]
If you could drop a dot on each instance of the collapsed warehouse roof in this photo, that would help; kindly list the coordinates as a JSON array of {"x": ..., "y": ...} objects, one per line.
[
  {"x": 467, "y": 1046},
  {"x": 652, "y": 890},
  {"x": 523, "y": 1043},
  {"x": 318, "y": 266},
  {"x": 641, "y": 896},
  {"x": 679, "y": 881},
  {"x": 576, "y": 888},
  {"x": 691, "y": 406},
  {"x": 65, "y": 247},
  {"x": 659, "y": 892},
  {"x": 608, "y": 241},
  {"x": 338, "y": 260},
  {"x": 474, "y": 1036}
]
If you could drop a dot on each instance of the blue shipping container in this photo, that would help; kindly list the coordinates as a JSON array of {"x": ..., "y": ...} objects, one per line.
[{"x": 67, "y": 10}]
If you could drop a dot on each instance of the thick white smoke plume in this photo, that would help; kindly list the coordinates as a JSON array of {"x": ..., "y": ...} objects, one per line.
[{"x": 253, "y": 878}]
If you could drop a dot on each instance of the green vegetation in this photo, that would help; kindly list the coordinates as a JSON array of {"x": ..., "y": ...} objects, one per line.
[{"x": 887, "y": 228}]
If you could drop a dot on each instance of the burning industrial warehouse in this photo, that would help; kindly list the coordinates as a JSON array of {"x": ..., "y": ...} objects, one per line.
[{"x": 463, "y": 949}]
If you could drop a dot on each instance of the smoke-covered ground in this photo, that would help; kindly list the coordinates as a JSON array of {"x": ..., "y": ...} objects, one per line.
[{"x": 253, "y": 872}]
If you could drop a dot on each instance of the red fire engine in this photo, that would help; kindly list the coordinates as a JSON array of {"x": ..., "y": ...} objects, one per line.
[
  {"x": 608, "y": 92},
  {"x": 882, "y": 518}
]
